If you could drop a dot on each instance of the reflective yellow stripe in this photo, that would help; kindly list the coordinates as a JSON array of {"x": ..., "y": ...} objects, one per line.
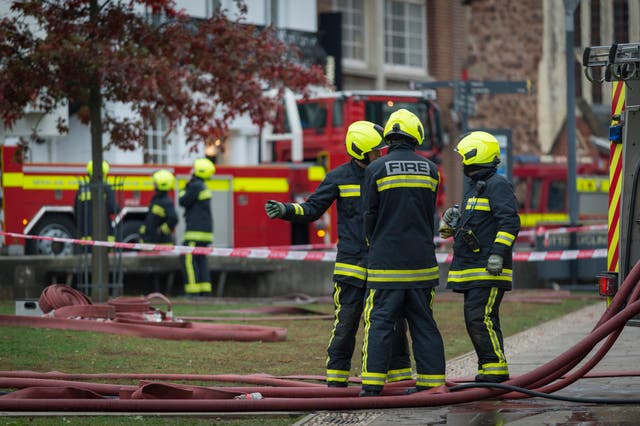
[
  {"x": 337, "y": 376},
  {"x": 245, "y": 184},
  {"x": 407, "y": 181},
  {"x": 198, "y": 236},
  {"x": 336, "y": 312},
  {"x": 398, "y": 375},
  {"x": 350, "y": 270},
  {"x": 406, "y": 275},
  {"x": 368, "y": 306},
  {"x": 505, "y": 238},
  {"x": 376, "y": 379},
  {"x": 430, "y": 380},
  {"x": 297, "y": 209},
  {"x": 158, "y": 210},
  {"x": 482, "y": 204},
  {"x": 495, "y": 343},
  {"x": 497, "y": 368},
  {"x": 190, "y": 286},
  {"x": 205, "y": 194},
  {"x": 473, "y": 274},
  {"x": 205, "y": 287},
  {"x": 349, "y": 190}
]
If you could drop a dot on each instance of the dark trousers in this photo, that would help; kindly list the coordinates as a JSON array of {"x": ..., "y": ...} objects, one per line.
[
  {"x": 382, "y": 309},
  {"x": 481, "y": 317},
  {"x": 197, "y": 278},
  {"x": 348, "y": 303}
]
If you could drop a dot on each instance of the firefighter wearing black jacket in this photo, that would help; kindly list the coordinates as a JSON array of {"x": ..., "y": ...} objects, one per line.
[
  {"x": 161, "y": 218},
  {"x": 83, "y": 206},
  {"x": 399, "y": 198},
  {"x": 484, "y": 232},
  {"x": 363, "y": 142},
  {"x": 196, "y": 200}
]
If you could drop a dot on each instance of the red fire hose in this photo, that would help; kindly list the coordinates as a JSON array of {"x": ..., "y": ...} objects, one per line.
[{"x": 167, "y": 397}]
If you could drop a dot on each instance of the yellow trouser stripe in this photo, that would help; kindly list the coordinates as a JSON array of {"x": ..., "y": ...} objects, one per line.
[
  {"x": 430, "y": 380},
  {"x": 336, "y": 312},
  {"x": 495, "y": 343},
  {"x": 399, "y": 374},
  {"x": 367, "y": 326},
  {"x": 337, "y": 376},
  {"x": 191, "y": 285}
]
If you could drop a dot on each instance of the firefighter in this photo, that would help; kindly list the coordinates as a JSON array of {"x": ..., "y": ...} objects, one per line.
[
  {"x": 196, "y": 200},
  {"x": 399, "y": 201},
  {"x": 82, "y": 204},
  {"x": 342, "y": 185},
  {"x": 484, "y": 232},
  {"x": 161, "y": 218}
]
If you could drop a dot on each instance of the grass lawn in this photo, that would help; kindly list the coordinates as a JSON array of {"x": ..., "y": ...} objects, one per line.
[{"x": 304, "y": 352}]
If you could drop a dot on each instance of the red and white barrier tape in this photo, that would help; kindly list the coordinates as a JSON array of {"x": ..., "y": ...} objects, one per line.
[{"x": 322, "y": 256}]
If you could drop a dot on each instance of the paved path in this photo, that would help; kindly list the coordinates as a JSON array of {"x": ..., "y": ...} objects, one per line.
[{"x": 526, "y": 351}]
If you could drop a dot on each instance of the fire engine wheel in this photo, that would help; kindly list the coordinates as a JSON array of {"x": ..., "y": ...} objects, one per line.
[{"x": 51, "y": 226}]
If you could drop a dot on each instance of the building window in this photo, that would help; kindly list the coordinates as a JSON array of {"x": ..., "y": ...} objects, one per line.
[
  {"x": 404, "y": 33},
  {"x": 353, "y": 29},
  {"x": 156, "y": 141}
]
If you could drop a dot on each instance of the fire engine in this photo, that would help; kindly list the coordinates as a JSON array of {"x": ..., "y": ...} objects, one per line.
[
  {"x": 542, "y": 191},
  {"x": 38, "y": 197}
]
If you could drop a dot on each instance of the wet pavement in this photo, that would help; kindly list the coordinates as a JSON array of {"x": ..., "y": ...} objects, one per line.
[{"x": 526, "y": 351}]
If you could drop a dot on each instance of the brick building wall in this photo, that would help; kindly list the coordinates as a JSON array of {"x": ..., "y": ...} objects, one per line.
[{"x": 506, "y": 43}]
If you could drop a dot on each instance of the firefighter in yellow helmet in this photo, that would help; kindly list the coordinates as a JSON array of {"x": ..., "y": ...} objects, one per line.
[
  {"x": 83, "y": 206},
  {"x": 161, "y": 218},
  {"x": 399, "y": 201},
  {"x": 484, "y": 232},
  {"x": 342, "y": 185},
  {"x": 196, "y": 201}
]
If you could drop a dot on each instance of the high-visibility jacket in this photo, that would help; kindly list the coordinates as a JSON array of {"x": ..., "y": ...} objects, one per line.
[
  {"x": 341, "y": 184},
  {"x": 83, "y": 209},
  {"x": 196, "y": 200},
  {"x": 399, "y": 199},
  {"x": 160, "y": 221},
  {"x": 489, "y": 209}
]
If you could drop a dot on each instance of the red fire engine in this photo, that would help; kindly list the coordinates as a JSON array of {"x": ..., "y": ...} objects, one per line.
[
  {"x": 543, "y": 195},
  {"x": 38, "y": 198}
]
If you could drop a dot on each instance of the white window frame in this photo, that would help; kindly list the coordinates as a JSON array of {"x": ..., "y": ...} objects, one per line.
[
  {"x": 406, "y": 68},
  {"x": 156, "y": 143},
  {"x": 347, "y": 24}
]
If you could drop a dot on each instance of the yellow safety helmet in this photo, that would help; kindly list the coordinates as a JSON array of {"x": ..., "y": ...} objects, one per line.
[
  {"x": 203, "y": 168},
  {"x": 105, "y": 168},
  {"x": 404, "y": 122},
  {"x": 362, "y": 137},
  {"x": 479, "y": 148},
  {"x": 164, "y": 180}
]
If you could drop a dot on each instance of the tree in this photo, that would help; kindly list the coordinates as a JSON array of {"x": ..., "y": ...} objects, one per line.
[{"x": 149, "y": 55}]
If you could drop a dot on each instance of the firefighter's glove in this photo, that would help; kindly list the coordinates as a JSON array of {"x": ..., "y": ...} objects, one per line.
[
  {"x": 446, "y": 231},
  {"x": 451, "y": 216},
  {"x": 494, "y": 265},
  {"x": 274, "y": 209}
]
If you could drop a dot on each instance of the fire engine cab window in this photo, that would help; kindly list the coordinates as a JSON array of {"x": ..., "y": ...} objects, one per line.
[
  {"x": 313, "y": 115},
  {"x": 534, "y": 200},
  {"x": 379, "y": 112},
  {"x": 557, "y": 196}
]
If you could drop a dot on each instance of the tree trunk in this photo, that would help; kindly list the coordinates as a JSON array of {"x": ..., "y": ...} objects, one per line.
[{"x": 99, "y": 255}]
